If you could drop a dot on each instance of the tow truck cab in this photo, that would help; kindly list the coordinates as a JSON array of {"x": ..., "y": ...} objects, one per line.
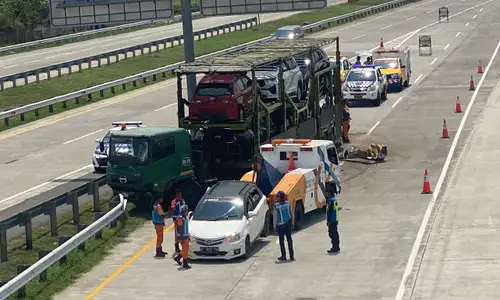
[
  {"x": 146, "y": 162},
  {"x": 395, "y": 64}
]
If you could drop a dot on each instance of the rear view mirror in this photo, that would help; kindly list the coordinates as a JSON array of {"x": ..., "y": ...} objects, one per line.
[{"x": 101, "y": 146}]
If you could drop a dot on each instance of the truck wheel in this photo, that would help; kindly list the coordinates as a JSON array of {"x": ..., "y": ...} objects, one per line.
[
  {"x": 377, "y": 101},
  {"x": 384, "y": 94},
  {"x": 407, "y": 82},
  {"x": 400, "y": 87},
  {"x": 248, "y": 246},
  {"x": 299, "y": 217},
  {"x": 267, "y": 226}
]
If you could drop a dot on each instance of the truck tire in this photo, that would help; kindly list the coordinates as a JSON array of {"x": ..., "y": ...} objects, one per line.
[
  {"x": 299, "y": 216},
  {"x": 377, "y": 101},
  {"x": 384, "y": 94},
  {"x": 400, "y": 87}
]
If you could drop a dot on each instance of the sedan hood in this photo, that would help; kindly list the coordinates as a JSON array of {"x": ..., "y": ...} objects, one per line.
[
  {"x": 214, "y": 229},
  {"x": 359, "y": 84}
]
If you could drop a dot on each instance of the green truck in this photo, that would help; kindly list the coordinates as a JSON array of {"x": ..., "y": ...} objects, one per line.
[{"x": 152, "y": 161}]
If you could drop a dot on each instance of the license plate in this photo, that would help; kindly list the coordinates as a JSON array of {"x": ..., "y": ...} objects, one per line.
[
  {"x": 209, "y": 249},
  {"x": 358, "y": 97}
]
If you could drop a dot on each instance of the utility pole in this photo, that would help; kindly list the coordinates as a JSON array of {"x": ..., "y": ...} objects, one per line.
[
  {"x": 188, "y": 36},
  {"x": 339, "y": 104}
]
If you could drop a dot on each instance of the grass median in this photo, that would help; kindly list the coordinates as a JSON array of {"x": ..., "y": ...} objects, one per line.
[
  {"x": 195, "y": 6},
  {"x": 23, "y": 95},
  {"x": 62, "y": 275}
]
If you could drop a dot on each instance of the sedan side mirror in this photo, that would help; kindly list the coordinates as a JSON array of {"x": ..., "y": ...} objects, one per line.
[
  {"x": 252, "y": 214},
  {"x": 402, "y": 67},
  {"x": 97, "y": 141}
]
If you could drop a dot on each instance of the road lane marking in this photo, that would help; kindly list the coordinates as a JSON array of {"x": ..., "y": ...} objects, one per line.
[
  {"x": 467, "y": 24},
  {"x": 166, "y": 106},
  {"x": 44, "y": 184},
  {"x": 358, "y": 37},
  {"x": 32, "y": 61},
  {"x": 373, "y": 128},
  {"x": 418, "y": 78},
  {"x": 457, "y": 34},
  {"x": 430, "y": 11},
  {"x": 474, "y": 17},
  {"x": 434, "y": 60},
  {"x": 397, "y": 101},
  {"x": 481, "y": 9},
  {"x": 125, "y": 265},
  {"x": 411, "y": 18},
  {"x": 446, "y": 46},
  {"x": 442, "y": 176},
  {"x": 385, "y": 27},
  {"x": 11, "y": 66},
  {"x": 448, "y": 4},
  {"x": 82, "y": 137}
]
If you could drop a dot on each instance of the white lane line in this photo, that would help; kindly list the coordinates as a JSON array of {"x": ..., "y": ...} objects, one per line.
[
  {"x": 481, "y": 9},
  {"x": 11, "y": 66},
  {"x": 397, "y": 101},
  {"x": 434, "y": 60},
  {"x": 446, "y": 46},
  {"x": 418, "y": 78},
  {"x": 358, "y": 37},
  {"x": 388, "y": 26},
  {"x": 474, "y": 17},
  {"x": 31, "y": 61},
  {"x": 430, "y": 11},
  {"x": 435, "y": 194},
  {"x": 44, "y": 184},
  {"x": 467, "y": 24},
  {"x": 457, "y": 34},
  {"x": 166, "y": 106},
  {"x": 373, "y": 128},
  {"x": 411, "y": 18},
  {"x": 448, "y": 4},
  {"x": 82, "y": 137}
]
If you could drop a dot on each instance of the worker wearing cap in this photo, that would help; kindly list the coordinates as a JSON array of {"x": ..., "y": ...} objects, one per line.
[
  {"x": 283, "y": 224},
  {"x": 182, "y": 233},
  {"x": 159, "y": 225},
  {"x": 346, "y": 124},
  {"x": 332, "y": 221},
  {"x": 358, "y": 61},
  {"x": 175, "y": 206}
]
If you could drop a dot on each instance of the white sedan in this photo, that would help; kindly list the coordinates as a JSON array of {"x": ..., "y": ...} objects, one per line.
[{"x": 229, "y": 218}]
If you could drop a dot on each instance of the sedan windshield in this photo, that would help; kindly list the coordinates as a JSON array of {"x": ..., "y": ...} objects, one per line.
[
  {"x": 216, "y": 209},
  {"x": 361, "y": 76},
  {"x": 129, "y": 150}
]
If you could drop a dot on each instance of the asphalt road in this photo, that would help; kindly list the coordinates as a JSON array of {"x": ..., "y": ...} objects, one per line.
[
  {"x": 26, "y": 61},
  {"x": 382, "y": 203}
]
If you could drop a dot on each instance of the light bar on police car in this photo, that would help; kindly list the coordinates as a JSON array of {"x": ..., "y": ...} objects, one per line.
[{"x": 137, "y": 123}]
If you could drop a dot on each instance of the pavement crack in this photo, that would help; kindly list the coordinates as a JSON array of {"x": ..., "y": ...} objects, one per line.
[{"x": 239, "y": 280}]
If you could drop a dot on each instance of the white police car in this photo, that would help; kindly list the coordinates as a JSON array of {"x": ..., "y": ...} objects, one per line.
[
  {"x": 100, "y": 158},
  {"x": 365, "y": 83}
]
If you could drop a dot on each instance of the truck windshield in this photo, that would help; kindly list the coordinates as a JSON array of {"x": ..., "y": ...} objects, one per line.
[
  {"x": 361, "y": 76},
  {"x": 218, "y": 209},
  {"x": 386, "y": 64},
  {"x": 214, "y": 90},
  {"x": 129, "y": 150}
]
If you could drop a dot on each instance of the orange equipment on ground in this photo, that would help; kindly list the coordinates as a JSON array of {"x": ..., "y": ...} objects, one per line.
[
  {"x": 426, "y": 189},
  {"x": 445, "y": 130},
  {"x": 458, "y": 107}
]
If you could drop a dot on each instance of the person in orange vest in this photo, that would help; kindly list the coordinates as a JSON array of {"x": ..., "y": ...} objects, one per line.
[
  {"x": 175, "y": 206},
  {"x": 182, "y": 233},
  {"x": 346, "y": 124},
  {"x": 159, "y": 225}
]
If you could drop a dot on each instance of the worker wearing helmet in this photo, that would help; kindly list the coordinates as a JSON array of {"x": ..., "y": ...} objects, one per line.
[
  {"x": 182, "y": 232},
  {"x": 175, "y": 207},
  {"x": 283, "y": 224},
  {"x": 159, "y": 225},
  {"x": 332, "y": 221}
]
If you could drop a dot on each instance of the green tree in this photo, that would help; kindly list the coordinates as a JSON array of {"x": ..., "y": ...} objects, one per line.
[{"x": 24, "y": 12}]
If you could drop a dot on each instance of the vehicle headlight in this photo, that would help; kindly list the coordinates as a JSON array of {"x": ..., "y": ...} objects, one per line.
[
  {"x": 373, "y": 88},
  {"x": 234, "y": 237},
  {"x": 307, "y": 61},
  {"x": 291, "y": 36}
]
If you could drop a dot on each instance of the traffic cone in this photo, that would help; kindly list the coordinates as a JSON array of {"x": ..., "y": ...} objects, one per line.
[
  {"x": 458, "y": 107},
  {"x": 480, "y": 68},
  {"x": 381, "y": 42},
  {"x": 445, "y": 131},
  {"x": 291, "y": 162},
  {"x": 426, "y": 189},
  {"x": 471, "y": 84}
]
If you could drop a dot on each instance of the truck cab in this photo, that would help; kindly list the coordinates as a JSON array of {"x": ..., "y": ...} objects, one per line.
[
  {"x": 395, "y": 64},
  {"x": 150, "y": 162}
]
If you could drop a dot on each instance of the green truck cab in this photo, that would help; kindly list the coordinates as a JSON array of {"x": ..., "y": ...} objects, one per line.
[{"x": 150, "y": 162}]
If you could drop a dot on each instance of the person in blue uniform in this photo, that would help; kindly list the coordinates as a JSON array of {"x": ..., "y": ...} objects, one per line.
[
  {"x": 175, "y": 207},
  {"x": 159, "y": 224},
  {"x": 332, "y": 221},
  {"x": 283, "y": 224},
  {"x": 182, "y": 232}
]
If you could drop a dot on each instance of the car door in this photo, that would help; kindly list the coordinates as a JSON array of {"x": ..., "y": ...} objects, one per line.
[
  {"x": 261, "y": 207},
  {"x": 295, "y": 75},
  {"x": 252, "y": 222},
  {"x": 287, "y": 77}
]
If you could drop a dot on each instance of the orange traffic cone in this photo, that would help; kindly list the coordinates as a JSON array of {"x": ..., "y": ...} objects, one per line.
[
  {"x": 471, "y": 84},
  {"x": 458, "y": 107},
  {"x": 381, "y": 42},
  {"x": 445, "y": 130},
  {"x": 480, "y": 68},
  {"x": 426, "y": 189},
  {"x": 291, "y": 162}
]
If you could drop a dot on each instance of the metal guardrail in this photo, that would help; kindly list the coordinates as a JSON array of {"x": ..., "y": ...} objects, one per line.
[
  {"x": 85, "y": 33},
  {"x": 164, "y": 70},
  {"x": 28, "y": 273},
  {"x": 150, "y": 46},
  {"x": 49, "y": 208}
]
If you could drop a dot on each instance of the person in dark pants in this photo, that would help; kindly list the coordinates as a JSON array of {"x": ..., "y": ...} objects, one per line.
[
  {"x": 175, "y": 207},
  {"x": 332, "y": 221},
  {"x": 283, "y": 224},
  {"x": 159, "y": 224}
]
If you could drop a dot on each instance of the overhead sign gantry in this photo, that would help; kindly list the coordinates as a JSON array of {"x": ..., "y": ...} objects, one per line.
[{"x": 236, "y": 7}]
